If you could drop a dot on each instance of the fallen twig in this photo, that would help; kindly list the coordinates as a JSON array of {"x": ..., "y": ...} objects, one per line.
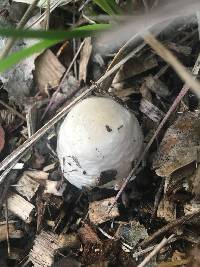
[
  {"x": 155, "y": 251},
  {"x": 168, "y": 227}
]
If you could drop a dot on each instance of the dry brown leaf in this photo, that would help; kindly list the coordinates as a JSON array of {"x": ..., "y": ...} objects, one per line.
[
  {"x": 179, "y": 146},
  {"x": 84, "y": 59},
  {"x": 48, "y": 71}
]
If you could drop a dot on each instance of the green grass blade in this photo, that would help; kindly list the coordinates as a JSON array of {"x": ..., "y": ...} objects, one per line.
[
  {"x": 54, "y": 35},
  {"x": 16, "y": 57},
  {"x": 109, "y": 6}
]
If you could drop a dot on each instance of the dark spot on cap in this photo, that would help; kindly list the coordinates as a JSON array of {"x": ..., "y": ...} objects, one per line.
[
  {"x": 84, "y": 172},
  {"x": 108, "y": 128},
  {"x": 69, "y": 163},
  {"x": 121, "y": 126}
]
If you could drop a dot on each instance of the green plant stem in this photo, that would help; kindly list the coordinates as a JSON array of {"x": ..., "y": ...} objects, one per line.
[{"x": 21, "y": 24}]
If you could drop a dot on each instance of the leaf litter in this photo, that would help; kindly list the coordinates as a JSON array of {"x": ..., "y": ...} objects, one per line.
[{"x": 49, "y": 222}]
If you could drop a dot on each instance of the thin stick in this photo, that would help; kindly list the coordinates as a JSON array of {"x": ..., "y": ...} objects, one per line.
[
  {"x": 74, "y": 43},
  {"x": 157, "y": 198},
  {"x": 173, "y": 62},
  {"x": 7, "y": 227},
  {"x": 168, "y": 227},
  {"x": 13, "y": 110},
  {"x": 21, "y": 24},
  {"x": 47, "y": 14},
  {"x": 155, "y": 251},
  {"x": 63, "y": 79}
]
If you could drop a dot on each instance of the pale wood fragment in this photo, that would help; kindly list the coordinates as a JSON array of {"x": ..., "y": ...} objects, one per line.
[{"x": 20, "y": 207}]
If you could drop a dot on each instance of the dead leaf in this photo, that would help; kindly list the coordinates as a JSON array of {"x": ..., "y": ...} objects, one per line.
[
  {"x": 179, "y": 146},
  {"x": 48, "y": 71},
  {"x": 84, "y": 59}
]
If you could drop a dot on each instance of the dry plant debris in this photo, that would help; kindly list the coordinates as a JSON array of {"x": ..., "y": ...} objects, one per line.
[{"x": 45, "y": 220}]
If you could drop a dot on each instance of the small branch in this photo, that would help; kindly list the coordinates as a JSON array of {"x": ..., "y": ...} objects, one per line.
[
  {"x": 7, "y": 227},
  {"x": 168, "y": 227},
  {"x": 173, "y": 62},
  {"x": 47, "y": 14},
  {"x": 13, "y": 110},
  {"x": 63, "y": 79},
  {"x": 21, "y": 24},
  {"x": 157, "y": 198},
  {"x": 155, "y": 251}
]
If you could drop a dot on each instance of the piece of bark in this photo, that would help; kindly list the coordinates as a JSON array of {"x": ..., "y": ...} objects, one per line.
[
  {"x": 99, "y": 211},
  {"x": 145, "y": 92},
  {"x": 69, "y": 240},
  {"x": 2, "y": 138},
  {"x": 67, "y": 262},
  {"x": 31, "y": 118},
  {"x": 124, "y": 93},
  {"x": 192, "y": 207},
  {"x": 37, "y": 175},
  {"x": 44, "y": 249},
  {"x": 151, "y": 111},
  {"x": 183, "y": 49},
  {"x": 27, "y": 187},
  {"x": 49, "y": 167},
  {"x": 20, "y": 207},
  {"x": 84, "y": 59},
  {"x": 157, "y": 86},
  {"x": 196, "y": 183},
  {"x": 13, "y": 232},
  {"x": 134, "y": 67},
  {"x": 88, "y": 235},
  {"x": 48, "y": 71}
]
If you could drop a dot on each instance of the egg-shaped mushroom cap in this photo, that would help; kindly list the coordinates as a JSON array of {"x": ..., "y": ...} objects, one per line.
[{"x": 98, "y": 135}]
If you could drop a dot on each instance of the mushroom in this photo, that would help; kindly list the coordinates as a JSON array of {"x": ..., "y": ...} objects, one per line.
[{"x": 97, "y": 142}]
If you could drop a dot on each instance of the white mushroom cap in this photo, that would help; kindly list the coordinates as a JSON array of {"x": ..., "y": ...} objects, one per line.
[{"x": 98, "y": 135}]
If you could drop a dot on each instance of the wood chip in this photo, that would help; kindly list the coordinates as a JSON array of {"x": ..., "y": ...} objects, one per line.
[
  {"x": 157, "y": 86},
  {"x": 134, "y": 67},
  {"x": 37, "y": 175},
  {"x": 13, "y": 232},
  {"x": 84, "y": 59},
  {"x": 44, "y": 249},
  {"x": 27, "y": 187},
  {"x": 20, "y": 207},
  {"x": 69, "y": 240},
  {"x": 151, "y": 111},
  {"x": 48, "y": 71},
  {"x": 99, "y": 211},
  {"x": 88, "y": 235}
]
